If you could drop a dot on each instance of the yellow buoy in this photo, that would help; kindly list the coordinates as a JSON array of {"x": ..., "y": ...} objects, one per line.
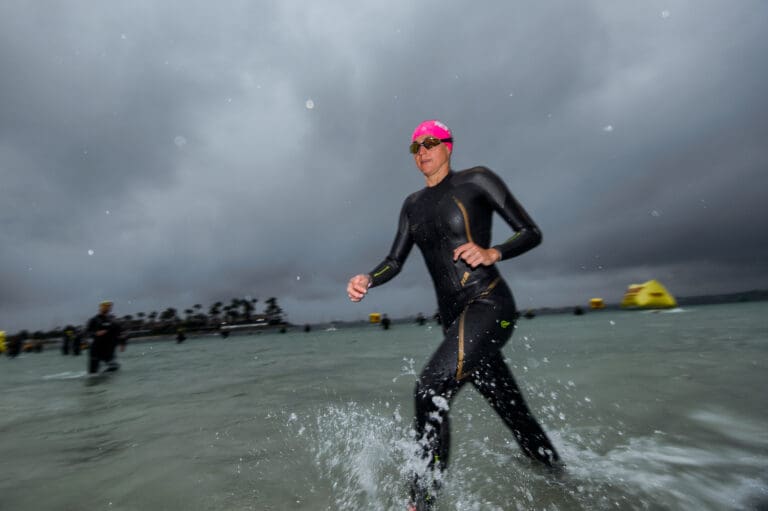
[
  {"x": 648, "y": 295},
  {"x": 374, "y": 317},
  {"x": 596, "y": 303}
]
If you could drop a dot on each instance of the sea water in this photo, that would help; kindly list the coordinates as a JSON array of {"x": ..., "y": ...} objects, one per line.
[{"x": 649, "y": 411}]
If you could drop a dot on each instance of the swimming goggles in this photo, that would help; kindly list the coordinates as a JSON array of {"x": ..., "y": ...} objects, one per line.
[{"x": 428, "y": 143}]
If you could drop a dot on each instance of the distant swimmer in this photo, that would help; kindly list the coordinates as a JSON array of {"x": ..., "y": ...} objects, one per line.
[
  {"x": 107, "y": 335},
  {"x": 450, "y": 221},
  {"x": 71, "y": 339}
]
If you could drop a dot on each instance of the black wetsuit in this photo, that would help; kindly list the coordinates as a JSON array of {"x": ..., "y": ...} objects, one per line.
[
  {"x": 103, "y": 346},
  {"x": 72, "y": 339},
  {"x": 476, "y": 306}
]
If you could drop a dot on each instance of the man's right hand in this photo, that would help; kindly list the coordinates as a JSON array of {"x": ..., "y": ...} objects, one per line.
[{"x": 358, "y": 287}]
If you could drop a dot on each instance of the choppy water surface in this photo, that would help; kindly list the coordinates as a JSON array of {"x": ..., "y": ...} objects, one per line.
[{"x": 649, "y": 411}]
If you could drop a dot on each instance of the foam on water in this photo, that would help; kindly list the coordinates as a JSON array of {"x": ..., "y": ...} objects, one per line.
[
  {"x": 659, "y": 470},
  {"x": 650, "y": 471},
  {"x": 675, "y": 310},
  {"x": 736, "y": 428},
  {"x": 67, "y": 375},
  {"x": 366, "y": 455}
]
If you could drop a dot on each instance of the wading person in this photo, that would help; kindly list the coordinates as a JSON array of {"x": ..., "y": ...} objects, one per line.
[
  {"x": 450, "y": 221},
  {"x": 106, "y": 334}
]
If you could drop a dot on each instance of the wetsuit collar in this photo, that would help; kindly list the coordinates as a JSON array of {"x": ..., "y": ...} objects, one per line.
[{"x": 447, "y": 178}]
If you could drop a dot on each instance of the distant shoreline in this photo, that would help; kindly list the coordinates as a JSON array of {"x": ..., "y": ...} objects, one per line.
[{"x": 755, "y": 295}]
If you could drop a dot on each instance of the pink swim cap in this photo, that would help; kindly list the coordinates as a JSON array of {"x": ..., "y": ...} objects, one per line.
[{"x": 434, "y": 128}]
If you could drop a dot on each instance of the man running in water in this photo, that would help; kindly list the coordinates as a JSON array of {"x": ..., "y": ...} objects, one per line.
[
  {"x": 450, "y": 221},
  {"x": 107, "y": 334}
]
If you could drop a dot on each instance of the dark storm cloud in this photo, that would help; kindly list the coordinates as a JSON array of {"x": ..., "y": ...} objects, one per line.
[{"x": 166, "y": 155}]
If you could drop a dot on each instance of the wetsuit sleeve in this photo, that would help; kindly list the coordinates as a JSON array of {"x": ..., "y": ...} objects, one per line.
[
  {"x": 401, "y": 247},
  {"x": 527, "y": 234}
]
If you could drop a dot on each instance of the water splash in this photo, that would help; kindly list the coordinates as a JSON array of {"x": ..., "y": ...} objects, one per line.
[
  {"x": 366, "y": 455},
  {"x": 408, "y": 369}
]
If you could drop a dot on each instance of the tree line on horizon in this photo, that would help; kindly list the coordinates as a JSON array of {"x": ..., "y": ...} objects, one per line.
[{"x": 237, "y": 312}]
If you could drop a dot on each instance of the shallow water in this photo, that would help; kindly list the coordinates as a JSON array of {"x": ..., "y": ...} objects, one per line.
[{"x": 649, "y": 411}]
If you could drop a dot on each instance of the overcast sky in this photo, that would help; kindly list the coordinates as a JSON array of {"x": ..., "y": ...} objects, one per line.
[{"x": 172, "y": 153}]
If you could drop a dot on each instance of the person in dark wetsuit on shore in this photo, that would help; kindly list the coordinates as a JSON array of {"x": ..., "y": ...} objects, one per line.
[
  {"x": 450, "y": 221},
  {"x": 106, "y": 334}
]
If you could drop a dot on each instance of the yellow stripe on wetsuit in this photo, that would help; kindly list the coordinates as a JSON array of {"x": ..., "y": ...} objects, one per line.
[
  {"x": 382, "y": 271},
  {"x": 464, "y": 213},
  {"x": 466, "y": 218},
  {"x": 460, "y": 362}
]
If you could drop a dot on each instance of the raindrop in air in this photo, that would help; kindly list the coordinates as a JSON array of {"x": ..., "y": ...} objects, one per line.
[
  {"x": 180, "y": 141},
  {"x": 310, "y": 104},
  {"x": 665, "y": 14},
  {"x": 608, "y": 128},
  {"x": 90, "y": 252}
]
